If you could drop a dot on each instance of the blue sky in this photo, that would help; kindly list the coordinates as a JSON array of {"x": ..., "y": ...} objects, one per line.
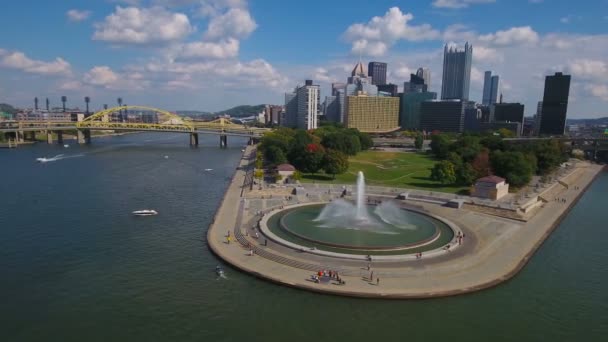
[{"x": 213, "y": 54}]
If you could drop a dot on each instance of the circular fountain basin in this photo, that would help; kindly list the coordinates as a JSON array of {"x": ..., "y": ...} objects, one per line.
[{"x": 380, "y": 229}]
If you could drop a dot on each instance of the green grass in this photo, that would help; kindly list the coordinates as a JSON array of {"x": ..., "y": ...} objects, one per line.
[{"x": 392, "y": 169}]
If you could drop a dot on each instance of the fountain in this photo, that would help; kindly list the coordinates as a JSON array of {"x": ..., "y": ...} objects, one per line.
[{"x": 357, "y": 226}]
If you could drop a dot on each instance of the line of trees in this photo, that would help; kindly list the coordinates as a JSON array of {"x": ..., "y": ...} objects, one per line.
[
  {"x": 326, "y": 148},
  {"x": 470, "y": 157}
]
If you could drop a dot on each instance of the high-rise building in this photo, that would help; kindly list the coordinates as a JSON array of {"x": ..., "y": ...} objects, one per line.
[
  {"x": 372, "y": 114},
  {"x": 415, "y": 85},
  {"x": 442, "y": 116},
  {"x": 390, "y": 89},
  {"x": 331, "y": 109},
  {"x": 508, "y": 112},
  {"x": 335, "y": 87},
  {"x": 490, "y": 89},
  {"x": 555, "y": 104},
  {"x": 377, "y": 72},
  {"x": 425, "y": 74},
  {"x": 456, "y": 73},
  {"x": 302, "y": 106},
  {"x": 409, "y": 113}
]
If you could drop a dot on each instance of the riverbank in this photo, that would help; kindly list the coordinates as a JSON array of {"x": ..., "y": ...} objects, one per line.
[{"x": 495, "y": 248}]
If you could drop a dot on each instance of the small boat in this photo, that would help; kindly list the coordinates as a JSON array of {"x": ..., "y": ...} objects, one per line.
[
  {"x": 207, "y": 170},
  {"x": 66, "y": 146},
  {"x": 145, "y": 212},
  {"x": 219, "y": 270}
]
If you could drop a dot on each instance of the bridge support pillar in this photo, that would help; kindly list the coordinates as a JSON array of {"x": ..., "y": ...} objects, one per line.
[
  {"x": 84, "y": 136},
  {"x": 223, "y": 141},
  {"x": 20, "y": 136},
  {"x": 32, "y": 136},
  {"x": 49, "y": 137},
  {"x": 60, "y": 137},
  {"x": 193, "y": 139}
]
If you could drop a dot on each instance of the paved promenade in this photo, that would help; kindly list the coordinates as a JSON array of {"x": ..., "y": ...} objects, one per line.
[{"x": 494, "y": 249}]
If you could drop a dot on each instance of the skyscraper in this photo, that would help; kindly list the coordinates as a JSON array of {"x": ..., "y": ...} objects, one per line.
[
  {"x": 425, "y": 74},
  {"x": 555, "y": 104},
  {"x": 377, "y": 71},
  {"x": 456, "y": 72},
  {"x": 490, "y": 89},
  {"x": 415, "y": 85}
]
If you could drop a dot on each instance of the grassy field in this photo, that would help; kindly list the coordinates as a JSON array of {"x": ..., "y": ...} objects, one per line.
[{"x": 396, "y": 169}]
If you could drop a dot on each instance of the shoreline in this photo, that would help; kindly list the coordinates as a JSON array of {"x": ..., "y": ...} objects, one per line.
[{"x": 464, "y": 272}]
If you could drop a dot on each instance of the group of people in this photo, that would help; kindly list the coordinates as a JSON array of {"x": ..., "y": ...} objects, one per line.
[
  {"x": 419, "y": 255},
  {"x": 460, "y": 237},
  {"x": 333, "y": 275},
  {"x": 560, "y": 200}
]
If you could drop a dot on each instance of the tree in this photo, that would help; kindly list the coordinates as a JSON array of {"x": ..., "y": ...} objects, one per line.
[
  {"x": 343, "y": 142},
  {"x": 505, "y": 133},
  {"x": 444, "y": 172},
  {"x": 465, "y": 174},
  {"x": 516, "y": 167},
  {"x": 366, "y": 141},
  {"x": 481, "y": 163},
  {"x": 335, "y": 162},
  {"x": 440, "y": 145},
  {"x": 297, "y": 175},
  {"x": 275, "y": 155},
  {"x": 311, "y": 160},
  {"x": 419, "y": 142}
]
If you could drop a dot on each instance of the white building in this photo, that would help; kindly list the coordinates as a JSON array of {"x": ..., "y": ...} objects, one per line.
[{"x": 302, "y": 107}]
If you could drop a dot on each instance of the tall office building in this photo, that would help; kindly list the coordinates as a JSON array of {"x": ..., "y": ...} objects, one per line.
[
  {"x": 390, "y": 89},
  {"x": 302, "y": 106},
  {"x": 456, "y": 73},
  {"x": 331, "y": 109},
  {"x": 443, "y": 116},
  {"x": 410, "y": 113},
  {"x": 490, "y": 89},
  {"x": 372, "y": 114},
  {"x": 377, "y": 72},
  {"x": 555, "y": 104},
  {"x": 415, "y": 85},
  {"x": 425, "y": 74},
  {"x": 508, "y": 112}
]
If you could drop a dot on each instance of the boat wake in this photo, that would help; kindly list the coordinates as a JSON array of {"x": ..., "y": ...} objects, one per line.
[{"x": 58, "y": 157}]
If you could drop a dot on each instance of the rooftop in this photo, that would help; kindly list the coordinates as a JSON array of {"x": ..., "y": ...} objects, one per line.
[{"x": 491, "y": 179}]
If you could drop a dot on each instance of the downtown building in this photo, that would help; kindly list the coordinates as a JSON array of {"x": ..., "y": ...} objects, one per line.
[
  {"x": 377, "y": 72},
  {"x": 443, "y": 116},
  {"x": 555, "y": 105},
  {"x": 456, "y": 73},
  {"x": 414, "y": 93},
  {"x": 490, "y": 89},
  {"x": 372, "y": 114},
  {"x": 302, "y": 107}
]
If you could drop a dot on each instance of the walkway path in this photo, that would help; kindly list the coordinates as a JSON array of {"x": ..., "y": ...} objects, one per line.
[{"x": 494, "y": 250}]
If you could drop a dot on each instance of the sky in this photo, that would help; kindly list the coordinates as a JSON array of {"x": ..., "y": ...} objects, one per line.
[{"x": 214, "y": 54}]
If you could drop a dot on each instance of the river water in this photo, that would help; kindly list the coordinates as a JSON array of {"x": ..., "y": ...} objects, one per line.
[{"x": 75, "y": 265}]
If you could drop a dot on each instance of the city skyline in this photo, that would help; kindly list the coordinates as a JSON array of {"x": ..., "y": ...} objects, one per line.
[{"x": 226, "y": 52}]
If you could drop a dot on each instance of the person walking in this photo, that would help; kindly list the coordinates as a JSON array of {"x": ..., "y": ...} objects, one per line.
[{"x": 377, "y": 281}]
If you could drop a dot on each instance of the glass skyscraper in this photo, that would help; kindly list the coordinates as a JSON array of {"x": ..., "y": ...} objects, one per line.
[
  {"x": 456, "y": 73},
  {"x": 555, "y": 104},
  {"x": 490, "y": 89},
  {"x": 377, "y": 72}
]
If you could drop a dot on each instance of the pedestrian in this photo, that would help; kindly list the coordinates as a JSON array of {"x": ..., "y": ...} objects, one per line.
[
  {"x": 377, "y": 281},
  {"x": 371, "y": 276},
  {"x": 369, "y": 266},
  {"x": 265, "y": 242},
  {"x": 251, "y": 252}
]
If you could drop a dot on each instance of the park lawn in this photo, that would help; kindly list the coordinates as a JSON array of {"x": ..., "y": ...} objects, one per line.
[{"x": 392, "y": 169}]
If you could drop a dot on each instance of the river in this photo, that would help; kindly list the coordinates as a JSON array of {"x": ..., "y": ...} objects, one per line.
[{"x": 75, "y": 265}]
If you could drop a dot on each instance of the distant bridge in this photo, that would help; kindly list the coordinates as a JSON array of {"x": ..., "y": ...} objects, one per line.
[{"x": 132, "y": 119}]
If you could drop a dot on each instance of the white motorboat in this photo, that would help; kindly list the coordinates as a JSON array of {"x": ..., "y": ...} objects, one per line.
[
  {"x": 219, "y": 271},
  {"x": 145, "y": 212}
]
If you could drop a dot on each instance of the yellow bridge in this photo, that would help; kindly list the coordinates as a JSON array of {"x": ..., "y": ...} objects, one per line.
[{"x": 133, "y": 119}]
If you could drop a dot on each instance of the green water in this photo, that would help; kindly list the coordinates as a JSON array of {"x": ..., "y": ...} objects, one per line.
[{"x": 76, "y": 266}]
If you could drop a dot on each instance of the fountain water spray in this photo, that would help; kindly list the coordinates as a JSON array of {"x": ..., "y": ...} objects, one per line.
[{"x": 361, "y": 209}]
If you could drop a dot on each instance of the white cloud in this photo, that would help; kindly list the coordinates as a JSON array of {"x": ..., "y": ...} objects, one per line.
[
  {"x": 512, "y": 36},
  {"x": 236, "y": 23},
  {"x": 75, "y": 15},
  {"x": 598, "y": 90},
  {"x": 70, "y": 85},
  {"x": 589, "y": 69},
  {"x": 222, "y": 49},
  {"x": 375, "y": 37},
  {"x": 18, "y": 60},
  {"x": 484, "y": 54},
  {"x": 459, "y": 3},
  {"x": 215, "y": 7},
  {"x": 143, "y": 26},
  {"x": 101, "y": 76},
  {"x": 564, "y": 20}
]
